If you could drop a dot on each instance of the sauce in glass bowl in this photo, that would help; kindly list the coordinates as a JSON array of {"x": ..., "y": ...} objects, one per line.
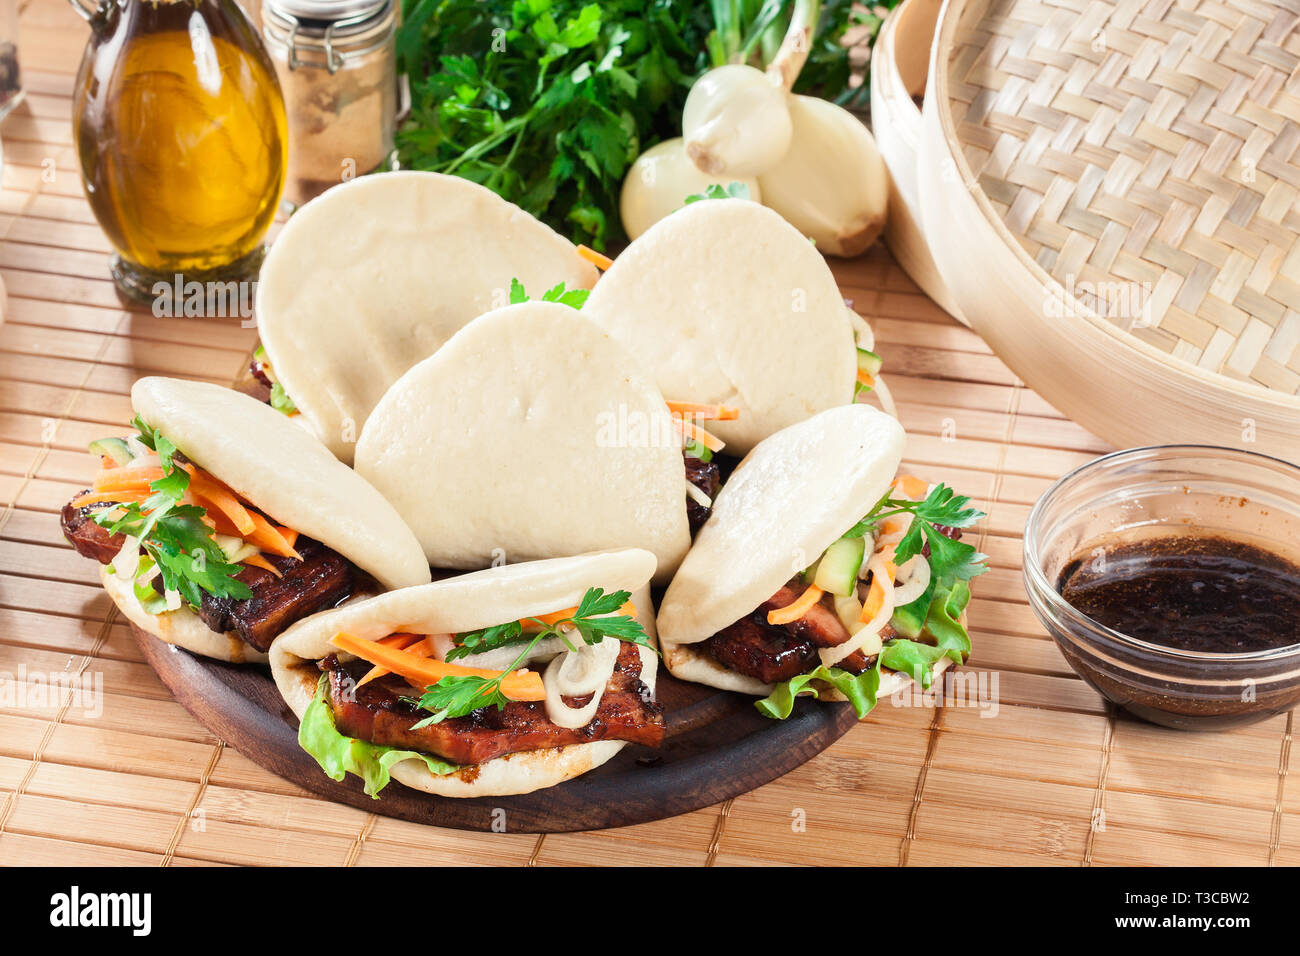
[{"x": 1169, "y": 578}]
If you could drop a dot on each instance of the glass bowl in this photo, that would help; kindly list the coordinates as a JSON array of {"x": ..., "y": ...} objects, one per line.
[{"x": 1166, "y": 490}]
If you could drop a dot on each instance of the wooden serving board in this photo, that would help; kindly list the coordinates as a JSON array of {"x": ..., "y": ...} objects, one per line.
[{"x": 716, "y": 747}]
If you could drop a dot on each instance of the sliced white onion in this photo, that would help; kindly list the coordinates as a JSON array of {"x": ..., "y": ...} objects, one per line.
[
  {"x": 849, "y": 611},
  {"x": 918, "y": 579},
  {"x": 586, "y": 670},
  {"x": 698, "y": 496},
  {"x": 574, "y": 674},
  {"x": 172, "y": 598},
  {"x": 867, "y": 637},
  {"x": 128, "y": 559},
  {"x": 886, "y": 398},
  {"x": 866, "y": 336},
  {"x": 502, "y": 657},
  {"x": 442, "y": 645},
  {"x": 137, "y": 449}
]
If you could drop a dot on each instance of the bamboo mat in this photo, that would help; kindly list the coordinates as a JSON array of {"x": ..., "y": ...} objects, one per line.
[{"x": 1053, "y": 778}]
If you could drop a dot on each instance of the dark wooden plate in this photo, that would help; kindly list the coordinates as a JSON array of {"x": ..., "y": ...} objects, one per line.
[{"x": 717, "y": 747}]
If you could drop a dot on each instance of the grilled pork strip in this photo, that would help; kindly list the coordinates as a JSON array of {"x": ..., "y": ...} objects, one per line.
[
  {"x": 89, "y": 539},
  {"x": 768, "y": 652},
  {"x": 821, "y": 624},
  {"x": 376, "y": 712},
  {"x": 322, "y": 579},
  {"x": 705, "y": 476}
]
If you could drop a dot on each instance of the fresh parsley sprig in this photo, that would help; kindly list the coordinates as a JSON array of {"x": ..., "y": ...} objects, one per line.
[
  {"x": 172, "y": 534},
  {"x": 574, "y": 298},
  {"x": 949, "y": 560},
  {"x": 593, "y": 621},
  {"x": 736, "y": 190}
]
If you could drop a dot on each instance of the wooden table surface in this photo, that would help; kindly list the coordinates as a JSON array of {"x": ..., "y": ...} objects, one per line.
[{"x": 1042, "y": 772}]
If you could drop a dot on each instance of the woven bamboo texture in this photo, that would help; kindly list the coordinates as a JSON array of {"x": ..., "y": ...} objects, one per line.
[
  {"x": 1053, "y": 778},
  {"x": 1152, "y": 146}
]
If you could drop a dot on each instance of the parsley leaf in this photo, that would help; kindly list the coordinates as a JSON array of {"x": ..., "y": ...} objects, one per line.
[
  {"x": 735, "y": 190},
  {"x": 548, "y": 102},
  {"x": 593, "y": 620},
  {"x": 172, "y": 534},
  {"x": 949, "y": 560},
  {"x": 574, "y": 298}
]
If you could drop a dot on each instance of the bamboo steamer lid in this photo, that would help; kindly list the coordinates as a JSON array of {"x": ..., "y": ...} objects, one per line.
[
  {"x": 900, "y": 61},
  {"x": 1112, "y": 193}
]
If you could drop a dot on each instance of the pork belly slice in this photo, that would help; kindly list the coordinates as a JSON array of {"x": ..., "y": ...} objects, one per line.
[{"x": 377, "y": 712}]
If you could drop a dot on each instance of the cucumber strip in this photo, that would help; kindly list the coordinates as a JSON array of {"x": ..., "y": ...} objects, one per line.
[
  {"x": 697, "y": 450},
  {"x": 837, "y": 572},
  {"x": 869, "y": 362},
  {"x": 115, "y": 448}
]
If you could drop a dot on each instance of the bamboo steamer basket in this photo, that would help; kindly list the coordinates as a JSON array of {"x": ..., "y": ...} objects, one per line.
[
  {"x": 900, "y": 62},
  {"x": 1111, "y": 191}
]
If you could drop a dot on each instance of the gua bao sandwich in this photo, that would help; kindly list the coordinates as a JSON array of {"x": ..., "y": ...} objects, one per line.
[
  {"x": 822, "y": 572},
  {"x": 729, "y": 304},
  {"x": 376, "y": 274},
  {"x": 542, "y": 436},
  {"x": 501, "y": 681},
  {"x": 219, "y": 522}
]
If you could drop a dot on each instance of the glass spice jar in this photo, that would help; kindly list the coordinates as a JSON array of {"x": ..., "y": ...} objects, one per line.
[{"x": 337, "y": 63}]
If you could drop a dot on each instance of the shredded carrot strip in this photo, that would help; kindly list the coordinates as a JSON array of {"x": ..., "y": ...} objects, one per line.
[
  {"x": 289, "y": 534},
  {"x": 268, "y": 538},
  {"x": 796, "y": 609},
  {"x": 403, "y": 642},
  {"x": 116, "y": 497},
  {"x": 876, "y": 596},
  {"x": 702, "y": 412},
  {"x": 555, "y": 617},
  {"x": 206, "y": 488},
  {"x": 911, "y": 486},
  {"x": 601, "y": 262},
  {"x": 127, "y": 479},
  {"x": 257, "y": 561},
  {"x": 692, "y": 432},
  {"x": 519, "y": 685},
  {"x": 866, "y": 378}
]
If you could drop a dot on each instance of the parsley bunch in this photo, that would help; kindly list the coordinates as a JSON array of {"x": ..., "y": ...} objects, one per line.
[
  {"x": 593, "y": 621},
  {"x": 949, "y": 560},
  {"x": 172, "y": 534},
  {"x": 548, "y": 102},
  {"x": 574, "y": 298}
]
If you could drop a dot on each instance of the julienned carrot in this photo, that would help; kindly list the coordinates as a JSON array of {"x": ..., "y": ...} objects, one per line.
[
  {"x": 702, "y": 412},
  {"x": 257, "y": 561},
  {"x": 116, "y": 497},
  {"x": 519, "y": 685},
  {"x": 876, "y": 596},
  {"x": 912, "y": 486},
  {"x": 222, "y": 498},
  {"x": 695, "y": 433},
  {"x": 555, "y": 617},
  {"x": 797, "y": 608},
  {"x": 601, "y": 262},
  {"x": 402, "y": 641},
  {"x": 126, "y": 479},
  {"x": 268, "y": 537},
  {"x": 866, "y": 378}
]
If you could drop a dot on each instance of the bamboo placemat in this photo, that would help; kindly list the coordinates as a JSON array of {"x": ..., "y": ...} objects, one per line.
[{"x": 1052, "y": 778}]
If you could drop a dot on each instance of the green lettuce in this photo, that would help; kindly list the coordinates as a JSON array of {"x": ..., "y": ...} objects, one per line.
[
  {"x": 339, "y": 755},
  {"x": 942, "y": 623}
]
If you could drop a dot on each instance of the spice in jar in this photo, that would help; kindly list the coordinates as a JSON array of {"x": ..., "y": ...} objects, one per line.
[{"x": 338, "y": 68}]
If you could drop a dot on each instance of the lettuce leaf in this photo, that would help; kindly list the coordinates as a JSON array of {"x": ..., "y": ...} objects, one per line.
[
  {"x": 339, "y": 755},
  {"x": 860, "y": 689},
  {"x": 943, "y": 623}
]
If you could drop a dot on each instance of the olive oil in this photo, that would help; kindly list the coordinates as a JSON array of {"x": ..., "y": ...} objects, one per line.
[{"x": 180, "y": 131}]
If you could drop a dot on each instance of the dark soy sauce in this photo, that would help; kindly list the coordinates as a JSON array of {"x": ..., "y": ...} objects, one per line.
[{"x": 1189, "y": 592}]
